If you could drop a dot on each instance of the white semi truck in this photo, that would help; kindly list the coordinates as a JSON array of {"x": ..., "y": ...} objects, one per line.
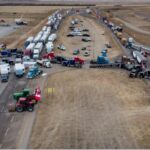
[
  {"x": 19, "y": 69},
  {"x": 37, "y": 50}
]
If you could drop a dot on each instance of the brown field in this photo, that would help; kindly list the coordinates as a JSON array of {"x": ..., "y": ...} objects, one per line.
[
  {"x": 33, "y": 9},
  {"x": 93, "y": 109},
  {"x": 137, "y": 19},
  {"x": 98, "y": 39}
]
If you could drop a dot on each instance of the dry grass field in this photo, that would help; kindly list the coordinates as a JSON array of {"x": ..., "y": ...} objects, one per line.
[
  {"x": 93, "y": 109},
  {"x": 33, "y": 9},
  {"x": 137, "y": 19}
]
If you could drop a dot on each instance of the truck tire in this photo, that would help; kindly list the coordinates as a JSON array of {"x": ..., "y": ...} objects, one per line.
[
  {"x": 30, "y": 108},
  {"x": 141, "y": 75},
  {"x": 130, "y": 76},
  {"x": 19, "y": 109}
]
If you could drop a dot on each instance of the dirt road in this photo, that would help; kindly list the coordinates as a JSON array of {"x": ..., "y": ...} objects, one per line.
[{"x": 93, "y": 109}]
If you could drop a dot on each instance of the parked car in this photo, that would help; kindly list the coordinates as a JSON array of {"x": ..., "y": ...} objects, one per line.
[
  {"x": 86, "y": 53},
  {"x": 76, "y": 52},
  {"x": 87, "y": 39}
]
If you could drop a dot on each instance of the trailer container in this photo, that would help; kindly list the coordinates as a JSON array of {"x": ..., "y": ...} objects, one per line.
[
  {"x": 52, "y": 37},
  {"x": 49, "y": 47},
  {"x": 37, "y": 38},
  {"x": 37, "y": 50},
  {"x": 28, "y": 41},
  {"x": 44, "y": 28}
]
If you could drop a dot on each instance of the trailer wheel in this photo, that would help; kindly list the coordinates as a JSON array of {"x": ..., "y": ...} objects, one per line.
[
  {"x": 19, "y": 109},
  {"x": 141, "y": 76},
  {"x": 30, "y": 108}
]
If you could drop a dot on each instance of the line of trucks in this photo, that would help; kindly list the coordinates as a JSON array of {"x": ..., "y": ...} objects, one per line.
[
  {"x": 30, "y": 56},
  {"x": 128, "y": 43}
]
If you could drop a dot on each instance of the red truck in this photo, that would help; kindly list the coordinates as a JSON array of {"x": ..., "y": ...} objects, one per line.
[{"x": 50, "y": 55}]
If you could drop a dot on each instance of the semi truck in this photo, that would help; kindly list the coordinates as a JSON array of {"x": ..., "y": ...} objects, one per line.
[
  {"x": 4, "y": 75},
  {"x": 37, "y": 50},
  {"x": 33, "y": 72},
  {"x": 29, "y": 49},
  {"x": 4, "y": 65},
  {"x": 19, "y": 69},
  {"x": 44, "y": 63}
]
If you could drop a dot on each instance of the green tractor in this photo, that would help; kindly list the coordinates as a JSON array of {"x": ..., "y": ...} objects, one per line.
[{"x": 24, "y": 93}]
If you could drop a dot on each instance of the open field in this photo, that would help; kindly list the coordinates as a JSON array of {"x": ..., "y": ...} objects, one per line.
[
  {"x": 93, "y": 109},
  {"x": 33, "y": 9},
  {"x": 98, "y": 34}
]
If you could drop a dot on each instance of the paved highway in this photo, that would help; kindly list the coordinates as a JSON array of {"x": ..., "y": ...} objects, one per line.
[{"x": 8, "y": 119}]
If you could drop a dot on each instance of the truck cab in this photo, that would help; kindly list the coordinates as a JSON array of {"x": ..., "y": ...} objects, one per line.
[
  {"x": 33, "y": 72},
  {"x": 44, "y": 63},
  {"x": 19, "y": 69},
  {"x": 4, "y": 75},
  {"x": 35, "y": 54}
]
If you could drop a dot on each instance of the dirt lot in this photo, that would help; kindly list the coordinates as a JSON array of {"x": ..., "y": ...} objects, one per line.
[
  {"x": 95, "y": 46},
  {"x": 97, "y": 109},
  {"x": 136, "y": 21}
]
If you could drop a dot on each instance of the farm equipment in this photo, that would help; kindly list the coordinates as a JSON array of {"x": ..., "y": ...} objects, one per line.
[
  {"x": 76, "y": 62},
  {"x": 23, "y": 104},
  {"x": 34, "y": 72},
  {"x": 25, "y": 100},
  {"x": 24, "y": 93}
]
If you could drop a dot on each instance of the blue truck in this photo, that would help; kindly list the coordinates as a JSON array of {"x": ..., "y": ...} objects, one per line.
[
  {"x": 33, "y": 72},
  {"x": 6, "y": 53},
  {"x": 76, "y": 62}
]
